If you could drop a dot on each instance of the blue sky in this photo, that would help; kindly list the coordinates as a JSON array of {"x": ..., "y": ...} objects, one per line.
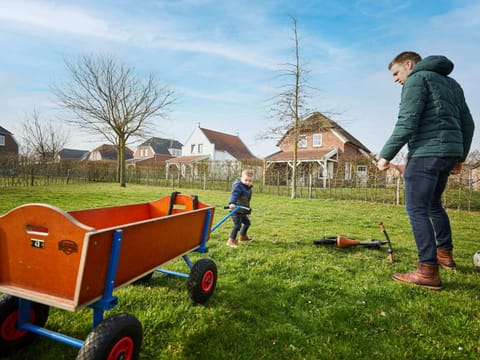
[{"x": 222, "y": 58}]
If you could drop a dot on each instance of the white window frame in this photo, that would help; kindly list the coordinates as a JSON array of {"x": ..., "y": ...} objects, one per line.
[
  {"x": 317, "y": 140},
  {"x": 193, "y": 149},
  {"x": 2, "y": 140}
]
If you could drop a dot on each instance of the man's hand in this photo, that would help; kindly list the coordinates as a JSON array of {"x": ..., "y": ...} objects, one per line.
[
  {"x": 383, "y": 164},
  {"x": 456, "y": 169},
  {"x": 231, "y": 206}
]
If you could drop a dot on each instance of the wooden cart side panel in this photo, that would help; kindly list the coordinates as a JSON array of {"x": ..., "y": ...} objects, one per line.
[
  {"x": 183, "y": 203},
  {"x": 40, "y": 250},
  {"x": 117, "y": 216},
  {"x": 145, "y": 247},
  {"x": 114, "y": 216}
]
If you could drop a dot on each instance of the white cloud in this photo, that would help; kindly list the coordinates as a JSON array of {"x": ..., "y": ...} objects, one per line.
[
  {"x": 214, "y": 48},
  {"x": 35, "y": 16},
  {"x": 381, "y": 8},
  {"x": 47, "y": 16}
]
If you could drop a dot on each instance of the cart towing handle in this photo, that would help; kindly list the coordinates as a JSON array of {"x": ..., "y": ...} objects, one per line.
[
  {"x": 225, "y": 218},
  {"x": 237, "y": 207}
]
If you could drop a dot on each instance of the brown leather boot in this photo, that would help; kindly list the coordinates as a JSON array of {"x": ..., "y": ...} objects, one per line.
[
  {"x": 232, "y": 243},
  {"x": 245, "y": 238},
  {"x": 445, "y": 259},
  {"x": 426, "y": 275}
]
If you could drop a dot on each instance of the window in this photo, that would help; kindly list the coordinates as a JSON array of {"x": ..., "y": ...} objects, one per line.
[
  {"x": 193, "y": 149},
  {"x": 200, "y": 148},
  {"x": 302, "y": 141},
  {"x": 348, "y": 171},
  {"x": 2, "y": 140},
  {"x": 317, "y": 139},
  {"x": 175, "y": 152},
  {"x": 362, "y": 169},
  {"x": 362, "y": 175}
]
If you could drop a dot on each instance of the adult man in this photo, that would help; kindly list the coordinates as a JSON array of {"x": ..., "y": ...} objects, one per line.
[{"x": 435, "y": 122}]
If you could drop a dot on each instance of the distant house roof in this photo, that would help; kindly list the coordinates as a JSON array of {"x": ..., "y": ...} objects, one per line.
[
  {"x": 73, "y": 154},
  {"x": 109, "y": 152},
  {"x": 5, "y": 131},
  {"x": 187, "y": 159},
  {"x": 161, "y": 146},
  {"x": 319, "y": 122},
  {"x": 302, "y": 154},
  {"x": 229, "y": 143}
]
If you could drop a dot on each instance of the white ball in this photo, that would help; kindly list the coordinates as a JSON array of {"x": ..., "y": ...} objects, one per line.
[{"x": 476, "y": 260}]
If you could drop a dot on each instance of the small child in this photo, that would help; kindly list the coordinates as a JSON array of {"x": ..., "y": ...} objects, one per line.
[{"x": 241, "y": 194}]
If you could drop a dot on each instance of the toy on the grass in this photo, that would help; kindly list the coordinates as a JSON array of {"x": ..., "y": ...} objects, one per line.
[
  {"x": 344, "y": 242},
  {"x": 390, "y": 249}
]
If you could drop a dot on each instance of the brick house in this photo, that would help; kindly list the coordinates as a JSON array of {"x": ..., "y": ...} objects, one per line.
[
  {"x": 210, "y": 151},
  {"x": 108, "y": 152},
  {"x": 8, "y": 144},
  {"x": 324, "y": 149},
  {"x": 155, "y": 151}
]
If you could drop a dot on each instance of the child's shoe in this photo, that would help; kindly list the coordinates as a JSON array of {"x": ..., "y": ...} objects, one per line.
[
  {"x": 245, "y": 238},
  {"x": 232, "y": 243}
]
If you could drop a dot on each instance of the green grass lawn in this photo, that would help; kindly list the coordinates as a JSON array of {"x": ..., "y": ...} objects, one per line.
[{"x": 280, "y": 296}]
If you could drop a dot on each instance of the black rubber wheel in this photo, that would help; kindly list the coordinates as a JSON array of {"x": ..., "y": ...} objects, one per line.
[
  {"x": 143, "y": 280},
  {"x": 117, "y": 338},
  {"x": 10, "y": 337},
  {"x": 202, "y": 280}
]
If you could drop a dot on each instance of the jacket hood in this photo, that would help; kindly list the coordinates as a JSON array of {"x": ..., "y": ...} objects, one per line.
[{"x": 436, "y": 63}]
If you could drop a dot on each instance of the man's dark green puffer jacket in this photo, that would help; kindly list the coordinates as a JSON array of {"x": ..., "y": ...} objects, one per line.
[{"x": 434, "y": 118}]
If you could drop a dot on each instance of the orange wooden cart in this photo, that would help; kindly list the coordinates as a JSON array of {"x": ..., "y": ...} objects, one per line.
[{"x": 70, "y": 260}]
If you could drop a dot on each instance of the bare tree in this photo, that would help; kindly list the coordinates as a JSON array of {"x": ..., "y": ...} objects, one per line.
[
  {"x": 289, "y": 106},
  {"x": 42, "y": 139},
  {"x": 107, "y": 98}
]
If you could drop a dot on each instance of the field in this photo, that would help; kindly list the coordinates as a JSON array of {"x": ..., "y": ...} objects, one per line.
[{"x": 281, "y": 296}]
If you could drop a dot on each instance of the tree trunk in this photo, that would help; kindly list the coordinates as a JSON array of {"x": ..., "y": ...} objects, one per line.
[{"x": 121, "y": 162}]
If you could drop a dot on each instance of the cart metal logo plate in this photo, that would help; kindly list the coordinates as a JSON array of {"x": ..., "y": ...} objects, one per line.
[{"x": 68, "y": 246}]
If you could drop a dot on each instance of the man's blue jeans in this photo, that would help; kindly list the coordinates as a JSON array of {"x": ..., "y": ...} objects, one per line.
[{"x": 425, "y": 181}]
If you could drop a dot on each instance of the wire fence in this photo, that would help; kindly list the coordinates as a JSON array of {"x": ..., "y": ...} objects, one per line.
[{"x": 371, "y": 186}]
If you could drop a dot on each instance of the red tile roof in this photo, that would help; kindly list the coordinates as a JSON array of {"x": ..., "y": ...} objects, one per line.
[{"x": 229, "y": 143}]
